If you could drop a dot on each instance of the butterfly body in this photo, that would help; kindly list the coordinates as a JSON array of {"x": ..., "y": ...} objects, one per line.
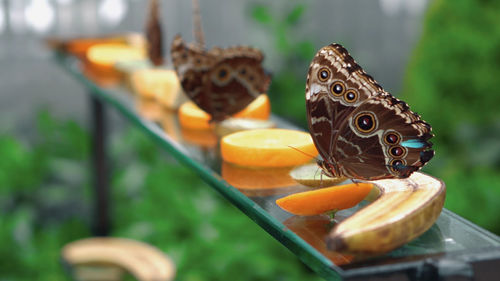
[
  {"x": 220, "y": 81},
  {"x": 360, "y": 130}
]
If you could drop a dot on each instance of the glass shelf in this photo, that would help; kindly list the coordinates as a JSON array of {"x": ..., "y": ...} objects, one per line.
[{"x": 452, "y": 241}]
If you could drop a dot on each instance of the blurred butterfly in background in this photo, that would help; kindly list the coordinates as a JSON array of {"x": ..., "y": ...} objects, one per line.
[
  {"x": 360, "y": 130},
  {"x": 220, "y": 81}
]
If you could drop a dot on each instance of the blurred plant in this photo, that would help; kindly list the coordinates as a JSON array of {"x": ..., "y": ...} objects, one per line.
[
  {"x": 288, "y": 83},
  {"x": 44, "y": 204},
  {"x": 453, "y": 80},
  {"x": 42, "y": 201}
]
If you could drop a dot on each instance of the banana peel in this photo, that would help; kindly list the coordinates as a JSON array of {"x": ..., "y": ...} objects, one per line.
[{"x": 403, "y": 210}]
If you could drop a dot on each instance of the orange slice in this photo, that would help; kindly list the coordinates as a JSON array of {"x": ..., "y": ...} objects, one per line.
[
  {"x": 326, "y": 199},
  {"x": 79, "y": 47},
  {"x": 233, "y": 125},
  {"x": 101, "y": 78},
  {"x": 260, "y": 108},
  {"x": 105, "y": 56},
  {"x": 161, "y": 84},
  {"x": 191, "y": 116},
  {"x": 268, "y": 148}
]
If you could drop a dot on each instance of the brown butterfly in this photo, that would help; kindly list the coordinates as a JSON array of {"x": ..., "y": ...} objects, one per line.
[
  {"x": 220, "y": 81},
  {"x": 360, "y": 130}
]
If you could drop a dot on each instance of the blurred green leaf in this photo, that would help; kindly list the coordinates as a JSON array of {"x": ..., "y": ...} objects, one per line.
[
  {"x": 306, "y": 50},
  {"x": 282, "y": 42},
  {"x": 295, "y": 14},
  {"x": 260, "y": 13},
  {"x": 452, "y": 81}
]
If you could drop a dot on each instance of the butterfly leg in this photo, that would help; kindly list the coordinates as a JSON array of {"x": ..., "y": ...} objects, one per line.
[
  {"x": 331, "y": 214},
  {"x": 355, "y": 181}
]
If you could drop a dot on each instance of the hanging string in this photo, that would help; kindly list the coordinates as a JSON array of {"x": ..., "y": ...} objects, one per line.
[{"x": 197, "y": 28}]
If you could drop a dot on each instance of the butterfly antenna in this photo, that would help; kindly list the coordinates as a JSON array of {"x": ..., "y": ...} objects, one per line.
[
  {"x": 296, "y": 149},
  {"x": 197, "y": 28}
]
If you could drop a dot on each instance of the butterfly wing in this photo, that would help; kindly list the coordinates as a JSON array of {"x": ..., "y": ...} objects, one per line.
[
  {"x": 236, "y": 79},
  {"x": 192, "y": 65},
  {"x": 335, "y": 86},
  {"x": 341, "y": 100},
  {"x": 220, "y": 81},
  {"x": 383, "y": 138}
]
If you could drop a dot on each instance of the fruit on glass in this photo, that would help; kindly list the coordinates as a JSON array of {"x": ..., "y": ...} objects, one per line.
[
  {"x": 311, "y": 175},
  {"x": 233, "y": 125},
  {"x": 104, "y": 56},
  {"x": 160, "y": 84},
  {"x": 268, "y": 148},
  {"x": 79, "y": 46},
  {"x": 192, "y": 117},
  {"x": 323, "y": 200},
  {"x": 405, "y": 209}
]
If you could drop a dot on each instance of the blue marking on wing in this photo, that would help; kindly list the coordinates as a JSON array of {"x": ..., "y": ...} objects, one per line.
[{"x": 414, "y": 143}]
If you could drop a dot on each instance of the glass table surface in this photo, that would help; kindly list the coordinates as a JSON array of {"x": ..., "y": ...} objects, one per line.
[{"x": 452, "y": 242}]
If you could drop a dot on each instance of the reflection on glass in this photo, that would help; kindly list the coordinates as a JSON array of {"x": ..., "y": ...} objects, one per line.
[
  {"x": 314, "y": 230},
  {"x": 256, "y": 178},
  {"x": 170, "y": 124},
  {"x": 112, "y": 12},
  {"x": 39, "y": 15},
  {"x": 202, "y": 138},
  {"x": 431, "y": 239},
  {"x": 149, "y": 108}
]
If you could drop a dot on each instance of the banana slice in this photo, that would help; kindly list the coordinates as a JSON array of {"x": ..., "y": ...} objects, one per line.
[
  {"x": 405, "y": 209},
  {"x": 310, "y": 175},
  {"x": 232, "y": 125}
]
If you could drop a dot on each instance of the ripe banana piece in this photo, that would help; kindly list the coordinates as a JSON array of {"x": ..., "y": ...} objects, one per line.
[{"x": 404, "y": 209}]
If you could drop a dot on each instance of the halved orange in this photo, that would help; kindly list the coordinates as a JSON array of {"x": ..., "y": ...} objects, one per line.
[
  {"x": 191, "y": 116},
  {"x": 268, "y": 148},
  {"x": 322, "y": 200},
  {"x": 104, "y": 56},
  {"x": 101, "y": 78},
  {"x": 260, "y": 108}
]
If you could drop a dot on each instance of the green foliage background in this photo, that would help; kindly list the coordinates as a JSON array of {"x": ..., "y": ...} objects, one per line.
[
  {"x": 45, "y": 203},
  {"x": 452, "y": 81}
]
